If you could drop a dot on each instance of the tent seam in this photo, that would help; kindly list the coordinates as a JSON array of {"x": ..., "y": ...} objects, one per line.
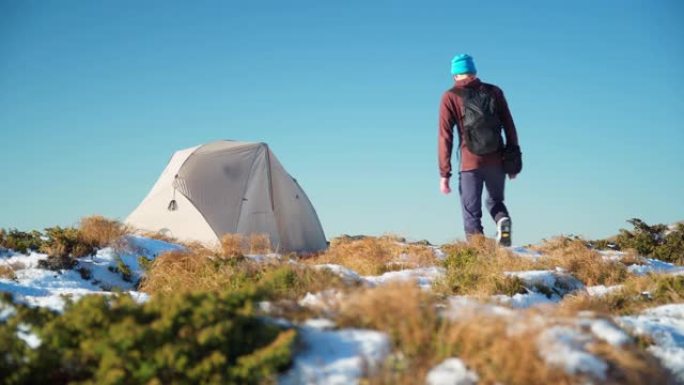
[{"x": 244, "y": 190}]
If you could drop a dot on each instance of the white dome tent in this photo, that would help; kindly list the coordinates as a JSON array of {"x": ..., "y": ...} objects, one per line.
[{"x": 230, "y": 187}]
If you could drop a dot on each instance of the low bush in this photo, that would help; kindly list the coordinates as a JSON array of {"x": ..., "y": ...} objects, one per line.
[
  {"x": 232, "y": 246},
  {"x": 634, "y": 295},
  {"x": 465, "y": 274},
  {"x": 402, "y": 310},
  {"x": 658, "y": 241},
  {"x": 375, "y": 255},
  {"x": 477, "y": 268},
  {"x": 576, "y": 257},
  {"x": 7, "y": 272},
  {"x": 192, "y": 271},
  {"x": 20, "y": 241},
  {"x": 238, "y": 245},
  {"x": 99, "y": 232},
  {"x": 122, "y": 268},
  {"x": 63, "y": 246},
  {"x": 259, "y": 244},
  {"x": 196, "y": 338}
]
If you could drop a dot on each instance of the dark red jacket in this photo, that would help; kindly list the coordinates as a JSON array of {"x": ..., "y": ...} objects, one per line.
[{"x": 450, "y": 114}]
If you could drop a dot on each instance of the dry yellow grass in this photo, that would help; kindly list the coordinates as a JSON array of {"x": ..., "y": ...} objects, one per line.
[
  {"x": 237, "y": 245},
  {"x": 232, "y": 245},
  {"x": 184, "y": 271},
  {"x": 375, "y": 255},
  {"x": 499, "y": 348},
  {"x": 560, "y": 242},
  {"x": 636, "y": 294},
  {"x": 204, "y": 270},
  {"x": 99, "y": 231},
  {"x": 485, "y": 343},
  {"x": 259, "y": 244},
  {"x": 158, "y": 235},
  {"x": 478, "y": 268},
  {"x": 500, "y": 259},
  {"x": 402, "y": 310},
  {"x": 585, "y": 264},
  {"x": 7, "y": 272}
]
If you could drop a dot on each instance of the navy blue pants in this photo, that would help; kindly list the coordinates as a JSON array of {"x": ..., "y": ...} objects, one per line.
[{"x": 470, "y": 185}]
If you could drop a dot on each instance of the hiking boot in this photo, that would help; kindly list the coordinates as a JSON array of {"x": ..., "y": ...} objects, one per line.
[{"x": 503, "y": 231}]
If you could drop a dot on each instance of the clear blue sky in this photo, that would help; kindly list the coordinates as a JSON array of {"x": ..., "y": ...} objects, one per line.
[{"x": 96, "y": 95}]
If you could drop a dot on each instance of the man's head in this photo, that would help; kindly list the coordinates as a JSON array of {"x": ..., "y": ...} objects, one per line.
[{"x": 463, "y": 66}]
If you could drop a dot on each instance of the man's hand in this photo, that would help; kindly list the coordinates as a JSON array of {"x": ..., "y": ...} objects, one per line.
[
  {"x": 512, "y": 176},
  {"x": 444, "y": 185}
]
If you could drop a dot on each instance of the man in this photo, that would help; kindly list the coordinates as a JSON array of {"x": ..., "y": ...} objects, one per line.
[{"x": 479, "y": 111}]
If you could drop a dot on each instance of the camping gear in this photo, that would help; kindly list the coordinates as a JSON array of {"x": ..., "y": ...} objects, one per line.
[
  {"x": 512, "y": 160},
  {"x": 481, "y": 123},
  {"x": 230, "y": 187}
]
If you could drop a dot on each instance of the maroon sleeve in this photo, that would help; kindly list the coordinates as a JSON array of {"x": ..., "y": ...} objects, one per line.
[
  {"x": 506, "y": 119},
  {"x": 447, "y": 119}
]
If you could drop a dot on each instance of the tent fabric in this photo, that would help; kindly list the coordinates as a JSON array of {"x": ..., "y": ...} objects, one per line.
[{"x": 230, "y": 187}]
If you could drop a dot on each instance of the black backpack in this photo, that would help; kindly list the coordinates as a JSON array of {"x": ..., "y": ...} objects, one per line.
[{"x": 481, "y": 124}]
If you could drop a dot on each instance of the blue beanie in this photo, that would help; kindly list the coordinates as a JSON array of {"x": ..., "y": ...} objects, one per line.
[{"x": 463, "y": 64}]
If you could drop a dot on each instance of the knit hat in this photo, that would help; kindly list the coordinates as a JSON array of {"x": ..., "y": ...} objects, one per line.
[{"x": 463, "y": 64}]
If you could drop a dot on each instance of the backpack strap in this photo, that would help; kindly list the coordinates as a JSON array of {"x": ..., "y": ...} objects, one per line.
[{"x": 459, "y": 92}]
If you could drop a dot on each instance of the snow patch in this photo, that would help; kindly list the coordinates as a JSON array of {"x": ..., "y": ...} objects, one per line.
[
  {"x": 601, "y": 290},
  {"x": 607, "y": 331},
  {"x": 459, "y": 307},
  {"x": 665, "y": 325},
  {"x": 655, "y": 266},
  {"x": 523, "y": 301},
  {"x": 554, "y": 283},
  {"x": 47, "y": 288},
  {"x": 25, "y": 334},
  {"x": 348, "y": 275},
  {"x": 423, "y": 276},
  {"x": 338, "y": 357},
  {"x": 563, "y": 347},
  {"x": 526, "y": 253},
  {"x": 325, "y": 301},
  {"x": 451, "y": 371}
]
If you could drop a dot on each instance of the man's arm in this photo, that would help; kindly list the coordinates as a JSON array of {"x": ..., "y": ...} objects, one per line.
[{"x": 447, "y": 119}]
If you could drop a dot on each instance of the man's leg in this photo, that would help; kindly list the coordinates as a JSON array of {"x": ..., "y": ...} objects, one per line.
[
  {"x": 494, "y": 181},
  {"x": 470, "y": 189}
]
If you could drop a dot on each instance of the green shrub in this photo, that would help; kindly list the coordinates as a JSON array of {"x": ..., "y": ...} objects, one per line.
[
  {"x": 469, "y": 272},
  {"x": 657, "y": 241},
  {"x": 144, "y": 263},
  {"x": 63, "y": 246},
  {"x": 20, "y": 241},
  {"x": 200, "y": 338},
  {"x": 122, "y": 268}
]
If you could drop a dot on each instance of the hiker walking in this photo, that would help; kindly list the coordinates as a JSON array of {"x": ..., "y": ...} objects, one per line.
[{"x": 480, "y": 112}]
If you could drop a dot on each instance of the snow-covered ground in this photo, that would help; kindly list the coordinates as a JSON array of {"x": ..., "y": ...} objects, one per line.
[
  {"x": 335, "y": 357},
  {"x": 327, "y": 355},
  {"x": 47, "y": 288},
  {"x": 665, "y": 325}
]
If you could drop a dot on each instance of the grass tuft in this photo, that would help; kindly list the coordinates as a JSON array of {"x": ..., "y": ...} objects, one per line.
[
  {"x": 636, "y": 294},
  {"x": 193, "y": 271},
  {"x": 7, "y": 272},
  {"x": 477, "y": 268},
  {"x": 100, "y": 232},
  {"x": 375, "y": 255},
  {"x": 574, "y": 255}
]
